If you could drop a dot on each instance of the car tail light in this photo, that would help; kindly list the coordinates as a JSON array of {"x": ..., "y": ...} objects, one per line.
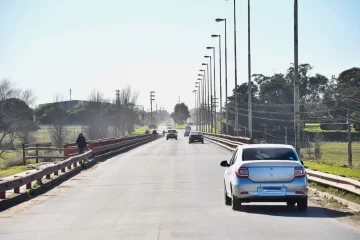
[
  {"x": 243, "y": 172},
  {"x": 299, "y": 192},
  {"x": 299, "y": 172},
  {"x": 244, "y": 193}
]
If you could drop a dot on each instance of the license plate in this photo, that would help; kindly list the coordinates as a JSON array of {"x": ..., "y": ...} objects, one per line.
[{"x": 272, "y": 190}]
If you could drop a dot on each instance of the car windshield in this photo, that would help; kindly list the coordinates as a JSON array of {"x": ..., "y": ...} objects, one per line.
[{"x": 250, "y": 154}]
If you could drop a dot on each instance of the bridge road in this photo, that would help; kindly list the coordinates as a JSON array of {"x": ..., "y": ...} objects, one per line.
[{"x": 162, "y": 190}]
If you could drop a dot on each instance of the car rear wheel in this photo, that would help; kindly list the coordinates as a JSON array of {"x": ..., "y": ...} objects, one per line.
[
  {"x": 202, "y": 142},
  {"x": 175, "y": 138},
  {"x": 167, "y": 138},
  {"x": 227, "y": 198},
  {"x": 290, "y": 203},
  {"x": 235, "y": 203},
  {"x": 302, "y": 204}
]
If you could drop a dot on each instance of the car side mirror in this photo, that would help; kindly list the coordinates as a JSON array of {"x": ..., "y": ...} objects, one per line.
[
  {"x": 224, "y": 164},
  {"x": 302, "y": 163}
]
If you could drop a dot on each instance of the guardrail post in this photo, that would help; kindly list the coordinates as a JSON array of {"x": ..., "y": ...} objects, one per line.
[
  {"x": 37, "y": 153},
  {"x": 39, "y": 181},
  {"x": 47, "y": 176},
  {"x": 75, "y": 164},
  {"x": 2, "y": 195},
  {"x": 69, "y": 167},
  {"x": 28, "y": 185},
  {"x": 56, "y": 173},
  {"x": 63, "y": 170},
  {"x": 24, "y": 155},
  {"x": 17, "y": 190}
]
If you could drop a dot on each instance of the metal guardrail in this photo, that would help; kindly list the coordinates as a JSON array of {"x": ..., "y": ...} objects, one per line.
[
  {"x": 99, "y": 151},
  {"x": 347, "y": 184}
]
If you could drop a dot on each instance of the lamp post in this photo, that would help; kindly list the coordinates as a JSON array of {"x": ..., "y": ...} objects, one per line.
[
  {"x": 152, "y": 98},
  {"x": 249, "y": 79},
  {"x": 207, "y": 108},
  {"x": 219, "y": 36},
  {"x": 210, "y": 95},
  {"x": 194, "y": 91},
  {"x": 202, "y": 96},
  {"x": 226, "y": 75},
  {"x": 204, "y": 91},
  {"x": 235, "y": 95},
  {"x": 214, "y": 118}
]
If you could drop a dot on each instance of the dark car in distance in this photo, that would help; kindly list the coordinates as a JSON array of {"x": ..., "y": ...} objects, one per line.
[{"x": 196, "y": 137}]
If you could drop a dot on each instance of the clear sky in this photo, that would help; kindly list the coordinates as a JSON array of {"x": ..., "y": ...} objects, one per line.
[{"x": 51, "y": 46}]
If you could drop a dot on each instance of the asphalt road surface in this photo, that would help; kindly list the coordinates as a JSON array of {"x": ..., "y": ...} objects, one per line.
[{"x": 162, "y": 190}]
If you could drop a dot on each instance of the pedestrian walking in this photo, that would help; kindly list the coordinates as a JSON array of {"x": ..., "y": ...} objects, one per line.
[{"x": 81, "y": 143}]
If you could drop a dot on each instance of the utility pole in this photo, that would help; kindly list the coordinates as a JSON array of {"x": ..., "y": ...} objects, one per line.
[
  {"x": 249, "y": 80},
  {"x": 152, "y": 98},
  {"x": 286, "y": 135},
  {"x": 349, "y": 140},
  {"x": 296, "y": 81}
]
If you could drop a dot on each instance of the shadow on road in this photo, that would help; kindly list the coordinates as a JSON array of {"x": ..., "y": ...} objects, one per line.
[{"x": 285, "y": 211}]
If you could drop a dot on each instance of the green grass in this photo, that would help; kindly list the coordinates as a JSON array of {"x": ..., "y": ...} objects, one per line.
[
  {"x": 4, "y": 172},
  {"x": 353, "y": 173},
  {"x": 315, "y": 127},
  {"x": 334, "y": 153},
  {"x": 334, "y": 159},
  {"x": 10, "y": 154},
  {"x": 179, "y": 126},
  {"x": 336, "y": 192},
  {"x": 140, "y": 130}
]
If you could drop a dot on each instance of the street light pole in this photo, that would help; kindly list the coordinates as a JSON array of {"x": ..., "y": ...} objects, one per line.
[
  {"x": 152, "y": 94},
  {"x": 210, "y": 96},
  {"x": 201, "y": 102},
  {"x": 204, "y": 91},
  {"x": 249, "y": 80},
  {"x": 235, "y": 96},
  {"x": 214, "y": 55},
  {"x": 194, "y": 91},
  {"x": 219, "y": 36},
  {"x": 207, "y": 107},
  {"x": 296, "y": 81},
  {"x": 226, "y": 76}
]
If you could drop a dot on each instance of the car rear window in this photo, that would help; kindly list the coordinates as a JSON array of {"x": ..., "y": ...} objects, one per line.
[
  {"x": 250, "y": 154},
  {"x": 196, "y": 133},
  {"x": 172, "y": 131}
]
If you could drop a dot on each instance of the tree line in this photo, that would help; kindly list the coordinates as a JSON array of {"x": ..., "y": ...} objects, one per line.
[
  {"x": 99, "y": 116},
  {"x": 322, "y": 100}
]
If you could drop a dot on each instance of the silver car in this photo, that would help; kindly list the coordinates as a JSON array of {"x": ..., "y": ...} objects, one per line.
[{"x": 265, "y": 173}]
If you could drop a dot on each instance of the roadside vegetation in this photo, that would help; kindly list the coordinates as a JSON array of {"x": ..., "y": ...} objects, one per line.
[
  {"x": 333, "y": 159},
  {"x": 336, "y": 192}
]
